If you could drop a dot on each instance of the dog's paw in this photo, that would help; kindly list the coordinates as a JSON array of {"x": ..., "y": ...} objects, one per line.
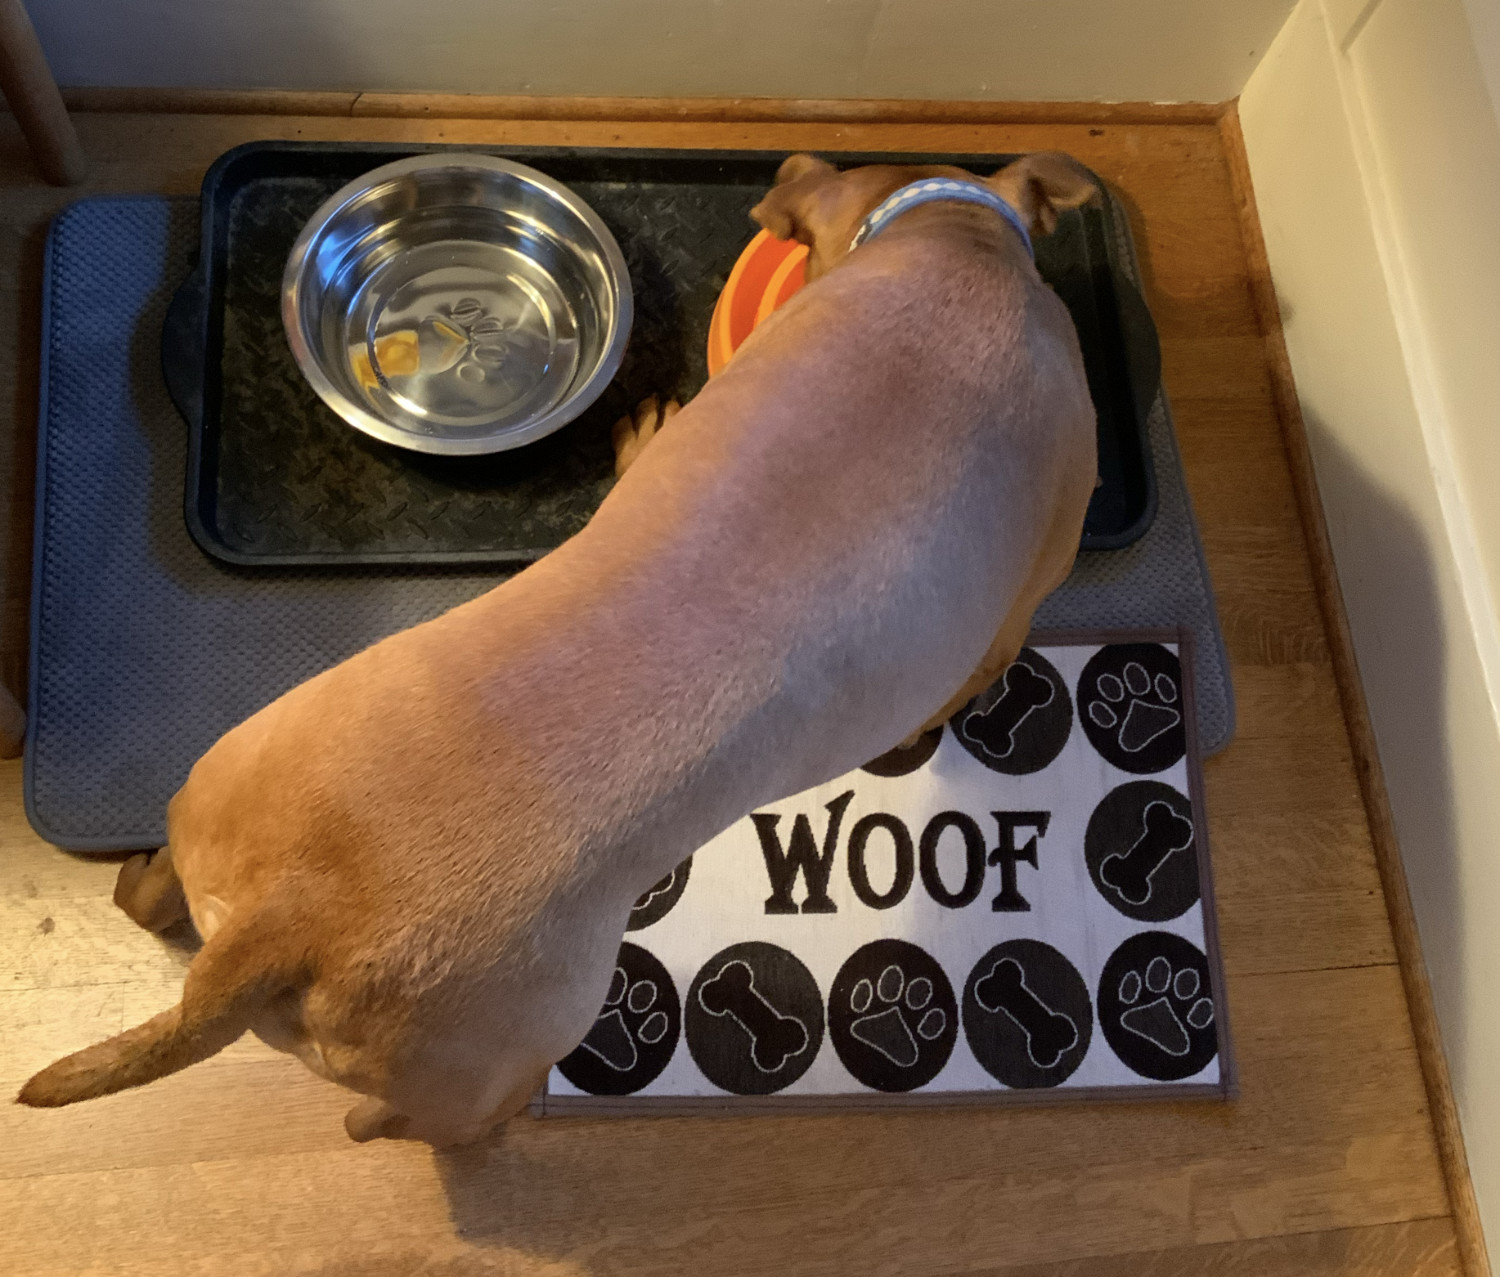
[
  {"x": 149, "y": 892},
  {"x": 374, "y": 1119},
  {"x": 634, "y": 431}
]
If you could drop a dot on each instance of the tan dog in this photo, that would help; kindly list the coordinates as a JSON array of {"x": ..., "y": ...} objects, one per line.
[{"x": 414, "y": 870}]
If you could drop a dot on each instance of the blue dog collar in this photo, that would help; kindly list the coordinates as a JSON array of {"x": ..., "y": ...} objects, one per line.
[{"x": 928, "y": 191}]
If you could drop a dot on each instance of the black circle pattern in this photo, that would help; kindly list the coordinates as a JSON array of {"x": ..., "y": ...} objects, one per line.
[
  {"x": 1142, "y": 852},
  {"x": 1027, "y": 1014},
  {"x": 657, "y": 901},
  {"x": 1156, "y": 1006},
  {"x": 892, "y": 1016},
  {"x": 636, "y": 1031},
  {"x": 905, "y": 759},
  {"x": 753, "y": 1019},
  {"x": 1022, "y": 721},
  {"x": 1131, "y": 706}
]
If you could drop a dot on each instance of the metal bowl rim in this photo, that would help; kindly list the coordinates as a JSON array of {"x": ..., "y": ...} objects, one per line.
[{"x": 508, "y": 437}]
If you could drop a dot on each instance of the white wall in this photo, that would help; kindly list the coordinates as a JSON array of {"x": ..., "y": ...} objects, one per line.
[
  {"x": 1104, "y": 50},
  {"x": 1375, "y": 151},
  {"x": 1484, "y": 22}
]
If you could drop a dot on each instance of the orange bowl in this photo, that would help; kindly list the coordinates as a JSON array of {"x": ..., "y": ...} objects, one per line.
[{"x": 768, "y": 272}]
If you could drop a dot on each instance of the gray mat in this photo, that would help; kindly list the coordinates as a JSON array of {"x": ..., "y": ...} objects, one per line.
[{"x": 144, "y": 650}]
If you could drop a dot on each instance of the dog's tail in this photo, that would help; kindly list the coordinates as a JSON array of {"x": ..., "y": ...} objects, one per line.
[{"x": 228, "y": 982}]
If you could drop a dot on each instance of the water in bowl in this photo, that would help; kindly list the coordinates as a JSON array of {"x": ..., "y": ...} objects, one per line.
[{"x": 458, "y": 333}]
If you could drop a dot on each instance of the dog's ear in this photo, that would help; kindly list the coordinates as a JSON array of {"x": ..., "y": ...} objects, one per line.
[
  {"x": 802, "y": 202},
  {"x": 1043, "y": 184}
]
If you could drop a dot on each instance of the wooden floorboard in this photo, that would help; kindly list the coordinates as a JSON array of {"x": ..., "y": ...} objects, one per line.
[
  {"x": 1420, "y": 1248},
  {"x": 1326, "y": 1164}
]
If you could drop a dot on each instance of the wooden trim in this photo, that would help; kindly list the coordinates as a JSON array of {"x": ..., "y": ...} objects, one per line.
[
  {"x": 145, "y": 101},
  {"x": 474, "y": 106},
  {"x": 1434, "y": 1062}
]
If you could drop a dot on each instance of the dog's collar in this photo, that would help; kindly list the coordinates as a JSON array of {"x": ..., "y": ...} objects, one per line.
[{"x": 928, "y": 191}]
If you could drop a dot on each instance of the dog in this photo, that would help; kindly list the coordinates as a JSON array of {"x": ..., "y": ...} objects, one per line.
[{"x": 413, "y": 871}]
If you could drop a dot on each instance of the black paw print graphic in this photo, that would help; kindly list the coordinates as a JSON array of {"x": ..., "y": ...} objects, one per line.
[
  {"x": 636, "y": 1032},
  {"x": 657, "y": 900},
  {"x": 892, "y": 1016},
  {"x": 1156, "y": 1007},
  {"x": 1131, "y": 705},
  {"x": 1020, "y": 723}
]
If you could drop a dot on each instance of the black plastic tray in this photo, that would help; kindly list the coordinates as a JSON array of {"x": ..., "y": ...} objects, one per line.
[{"x": 275, "y": 478}]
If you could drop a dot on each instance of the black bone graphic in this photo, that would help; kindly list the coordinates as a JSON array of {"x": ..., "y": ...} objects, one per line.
[
  {"x": 774, "y": 1038},
  {"x": 1025, "y": 690},
  {"x": 1049, "y": 1034},
  {"x": 1130, "y": 872}
]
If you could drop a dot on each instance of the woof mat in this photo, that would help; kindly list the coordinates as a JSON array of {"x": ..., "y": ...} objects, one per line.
[
  {"x": 1019, "y": 903},
  {"x": 145, "y": 650}
]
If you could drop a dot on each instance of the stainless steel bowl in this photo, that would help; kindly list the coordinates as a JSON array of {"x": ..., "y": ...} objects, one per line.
[{"x": 456, "y": 304}]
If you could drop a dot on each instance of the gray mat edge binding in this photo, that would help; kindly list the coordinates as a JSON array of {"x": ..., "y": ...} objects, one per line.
[
  {"x": 1132, "y": 264},
  {"x": 38, "y": 539},
  {"x": 101, "y": 845}
]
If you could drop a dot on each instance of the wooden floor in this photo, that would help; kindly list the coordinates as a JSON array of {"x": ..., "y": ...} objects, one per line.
[{"x": 1326, "y": 1164}]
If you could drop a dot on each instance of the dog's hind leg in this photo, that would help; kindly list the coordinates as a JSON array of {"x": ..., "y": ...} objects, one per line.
[
  {"x": 376, "y": 1119},
  {"x": 150, "y": 892},
  {"x": 635, "y": 430}
]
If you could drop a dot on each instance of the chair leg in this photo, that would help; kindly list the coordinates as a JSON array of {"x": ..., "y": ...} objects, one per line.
[
  {"x": 12, "y": 725},
  {"x": 26, "y": 80}
]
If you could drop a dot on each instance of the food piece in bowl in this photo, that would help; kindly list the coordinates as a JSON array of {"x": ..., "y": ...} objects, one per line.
[{"x": 397, "y": 353}]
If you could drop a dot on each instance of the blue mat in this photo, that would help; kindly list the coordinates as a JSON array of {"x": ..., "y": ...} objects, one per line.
[{"x": 144, "y": 650}]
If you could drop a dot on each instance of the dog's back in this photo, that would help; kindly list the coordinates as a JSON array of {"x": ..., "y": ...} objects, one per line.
[{"x": 422, "y": 860}]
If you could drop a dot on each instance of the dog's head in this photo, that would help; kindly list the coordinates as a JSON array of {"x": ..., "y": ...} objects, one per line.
[{"x": 815, "y": 204}]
